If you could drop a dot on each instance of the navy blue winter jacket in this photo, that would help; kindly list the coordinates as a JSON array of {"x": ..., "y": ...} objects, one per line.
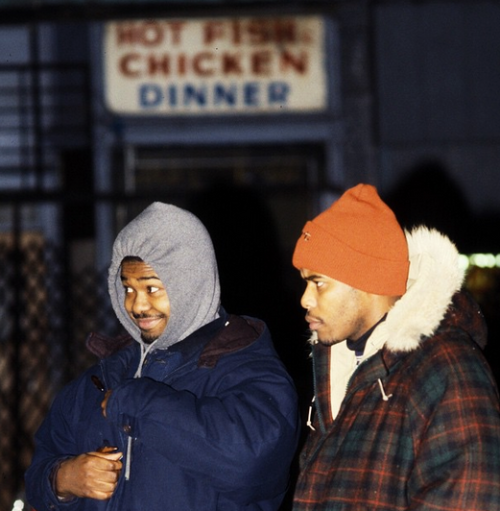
[{"x": 213, "y": 419}]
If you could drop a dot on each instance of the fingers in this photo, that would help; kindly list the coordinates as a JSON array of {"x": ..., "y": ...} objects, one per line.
[
  {"x": 105, "y": 402},
  {"x": 93, "y": 475},
  {"x": 108, "y": 453},
  {"x": 107, "y": 449}
]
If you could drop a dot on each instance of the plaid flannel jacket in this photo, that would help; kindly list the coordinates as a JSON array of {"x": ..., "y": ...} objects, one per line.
[{"x": 433, "y": 444}]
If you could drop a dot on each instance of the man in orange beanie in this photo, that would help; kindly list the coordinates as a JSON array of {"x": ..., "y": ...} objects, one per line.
[{"x": 407, "y": 410}]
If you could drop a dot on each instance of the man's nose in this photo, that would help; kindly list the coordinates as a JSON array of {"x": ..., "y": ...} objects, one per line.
[
  {"x": 308, "y": 301},
  {"x": 140, "y": 304}
]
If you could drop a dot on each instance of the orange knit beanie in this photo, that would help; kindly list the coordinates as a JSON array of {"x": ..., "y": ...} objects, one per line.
[{"x": 357, "y": 241}]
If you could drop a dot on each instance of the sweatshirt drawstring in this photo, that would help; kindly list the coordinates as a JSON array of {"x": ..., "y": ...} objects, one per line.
[
  {"x": 385, "y": 397},
  {"x": 129, "y": 455},
  {"x": 144, "y": 352}
]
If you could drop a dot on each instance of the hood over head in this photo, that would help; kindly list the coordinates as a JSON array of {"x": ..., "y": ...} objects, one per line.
[{"x": 178, "y": 247}]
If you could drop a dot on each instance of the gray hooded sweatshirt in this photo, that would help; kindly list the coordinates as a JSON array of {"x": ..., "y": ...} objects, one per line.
[{"x": 178, "y": 247}]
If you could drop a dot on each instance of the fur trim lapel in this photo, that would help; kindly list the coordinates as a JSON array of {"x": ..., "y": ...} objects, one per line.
[{"x": 435, "y": 276}]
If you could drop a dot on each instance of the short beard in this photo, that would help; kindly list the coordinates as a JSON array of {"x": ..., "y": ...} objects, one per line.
[
  {"x": 148, "y": 339},
  {"x": 329, "y": 342}
]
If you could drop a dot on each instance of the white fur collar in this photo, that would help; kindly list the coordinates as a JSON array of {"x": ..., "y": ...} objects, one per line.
[{"x": 435, "y": 275}]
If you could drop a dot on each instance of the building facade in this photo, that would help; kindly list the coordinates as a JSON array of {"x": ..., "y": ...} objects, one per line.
[{"x": 254, "y": 115}]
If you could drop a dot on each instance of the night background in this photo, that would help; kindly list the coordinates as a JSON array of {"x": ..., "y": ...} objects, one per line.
[{"x": 292, "y": 104}]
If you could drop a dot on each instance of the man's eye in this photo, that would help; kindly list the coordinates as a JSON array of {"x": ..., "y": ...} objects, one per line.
[
  {"x": 153, "y": 289},
  {"x": 128, "y": 289},
  {"x": 320, "y": 283}
]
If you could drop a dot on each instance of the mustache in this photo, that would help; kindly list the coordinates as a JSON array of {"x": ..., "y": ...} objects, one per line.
[{"x": 142, "y": 315}]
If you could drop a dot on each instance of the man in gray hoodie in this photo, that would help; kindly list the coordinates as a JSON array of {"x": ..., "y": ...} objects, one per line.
[{"x": 197, "y": 412}]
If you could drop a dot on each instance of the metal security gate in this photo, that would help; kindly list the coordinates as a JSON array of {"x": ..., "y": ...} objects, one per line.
[
  {"x": 51, "y": 292},
  {"x": 47, "y": 306},
  {"x": 45, "y": 317}
]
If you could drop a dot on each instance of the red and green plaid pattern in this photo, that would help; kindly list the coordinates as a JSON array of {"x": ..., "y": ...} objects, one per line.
[{"x": 434, "y": 445}]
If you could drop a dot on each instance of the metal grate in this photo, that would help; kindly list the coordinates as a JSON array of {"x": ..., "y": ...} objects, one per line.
[
  {"x": 43, "y": 111},
  {"x": 45, "y": 316}
]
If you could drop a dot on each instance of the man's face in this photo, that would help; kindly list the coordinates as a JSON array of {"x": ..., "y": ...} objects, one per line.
[
  {"x": 335, "y": 311},
  {"x": 146, "y": 299}
]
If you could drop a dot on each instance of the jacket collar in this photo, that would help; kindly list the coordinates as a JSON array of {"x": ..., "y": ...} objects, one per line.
[{"x": 435, "y": 276}]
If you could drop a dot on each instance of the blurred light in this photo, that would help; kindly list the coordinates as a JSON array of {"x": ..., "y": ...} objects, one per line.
[
  {"x": 18, "y": 505},
  {"x": 480, "y": 260},
  {"x": 463, "y": 261}
]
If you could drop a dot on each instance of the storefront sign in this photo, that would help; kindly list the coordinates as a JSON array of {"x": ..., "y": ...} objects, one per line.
[{"x": 215, "y": 66}]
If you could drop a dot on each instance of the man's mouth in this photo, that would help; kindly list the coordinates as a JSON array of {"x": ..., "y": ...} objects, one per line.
[
  {"x": 147, "y": 323},
  {"x": 314, "y": 323}
]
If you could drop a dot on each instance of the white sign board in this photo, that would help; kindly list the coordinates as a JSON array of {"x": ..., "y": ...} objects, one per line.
[{"x": 215, "y": 66}]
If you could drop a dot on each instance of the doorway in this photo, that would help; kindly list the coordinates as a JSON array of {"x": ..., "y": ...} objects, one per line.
[{"x": 254, "y": 201}]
